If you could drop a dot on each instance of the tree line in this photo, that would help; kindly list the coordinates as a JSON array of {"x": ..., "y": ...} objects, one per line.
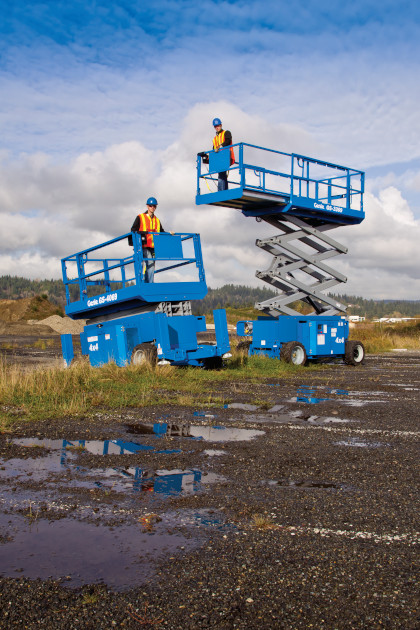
[{"x": 236, "y": 296}]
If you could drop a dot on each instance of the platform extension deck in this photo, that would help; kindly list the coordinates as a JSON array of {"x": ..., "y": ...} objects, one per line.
[
  {"x": 266, "y": 182},
  {"x": 102, "y": 280}
]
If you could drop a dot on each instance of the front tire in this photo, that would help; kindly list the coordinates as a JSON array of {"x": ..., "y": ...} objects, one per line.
[
  {"x": 293, "y": 352},
  {"x": 144, "y": 353},
  {"x": 354, "y": 353}
]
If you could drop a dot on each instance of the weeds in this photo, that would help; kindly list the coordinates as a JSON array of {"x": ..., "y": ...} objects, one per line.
[
  {"x": 89, "y": 598},
  {"x": 261, "y": 521},
  {"x": 383, "y": 338},
  {"x": 30, "y": 514},
  {"x": 43, "y": 344},
  {"x": 9, "y": 345},
  {"x": 143, "y": 619}
]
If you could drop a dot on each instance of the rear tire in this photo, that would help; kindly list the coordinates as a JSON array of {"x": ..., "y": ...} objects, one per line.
[
  {"x": 354, "y": 353},
  {"x": 144, "y": 353},
  {"x": 293, "y": 352}
]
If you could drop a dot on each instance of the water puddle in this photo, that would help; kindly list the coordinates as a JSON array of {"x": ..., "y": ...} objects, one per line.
[
  {"x": 358, "y": 443},
  {"x": 224, "y": 434},
  {"x": 306, "y": 395},
  {"x": 96, "y": 447},
  {"x": 297, "y": 416},
  {"x": 118, "y": 479},
  {"x": 83, "y": 553},
  {"x": 306, "y": 484},
  {"x": 210, "y": 433},
  {"x": 214, "y": 452},
  {"x": 242, "y": 406}
]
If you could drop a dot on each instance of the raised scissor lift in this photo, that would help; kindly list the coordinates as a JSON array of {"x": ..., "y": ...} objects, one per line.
[
  {"x": 128, "y": 317},
  {"x": 303, "y": 198}
]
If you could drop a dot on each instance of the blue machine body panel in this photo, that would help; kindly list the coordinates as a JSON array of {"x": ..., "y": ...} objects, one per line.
[
  {"x": 110, "y": 290},
  {"x": 175, "y": 338},
  {"x": 322, "y": 336},
  {"x": 267, "y": 182}
]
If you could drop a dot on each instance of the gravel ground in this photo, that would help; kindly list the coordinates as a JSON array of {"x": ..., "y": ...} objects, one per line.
[{"x": 311, "y": 524}]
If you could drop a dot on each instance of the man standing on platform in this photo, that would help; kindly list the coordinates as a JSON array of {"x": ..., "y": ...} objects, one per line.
[
  {"x": 146, "y": 223},
  {"x": 221, "y": 139}
]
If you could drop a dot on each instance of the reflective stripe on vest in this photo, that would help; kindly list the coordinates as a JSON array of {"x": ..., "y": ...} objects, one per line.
[
  {"x": 149, "y": 225},
  {"x": 218, "y": 141}
]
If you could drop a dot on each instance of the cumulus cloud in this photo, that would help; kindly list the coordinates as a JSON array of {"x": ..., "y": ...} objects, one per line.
[{"x": 50, "y": 209}]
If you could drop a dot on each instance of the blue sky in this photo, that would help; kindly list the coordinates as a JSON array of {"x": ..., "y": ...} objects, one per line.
[{"x": 334, "y": 80}]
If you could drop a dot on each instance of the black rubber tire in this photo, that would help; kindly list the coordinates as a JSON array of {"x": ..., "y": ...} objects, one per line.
[
  {"x": 243, "y": 346},
  {"x": 354, "y": 353},
  {"x": 144, "y": 353},
  {"x": 213, "y": 363},
  {"x": 293, "y": 352}
]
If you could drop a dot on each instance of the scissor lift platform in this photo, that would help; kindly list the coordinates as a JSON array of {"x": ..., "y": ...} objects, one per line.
[
  {"x": 130, "y": 320},
  {"x": 267, "y": 182},
  {"x": 303, "y": 198},
  {"x": 122, "y": 278}
]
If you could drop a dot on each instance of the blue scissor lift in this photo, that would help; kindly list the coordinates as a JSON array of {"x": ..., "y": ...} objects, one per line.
[
  {"x": 130, "y": 320},
  {"x": 304, "y": 199}
]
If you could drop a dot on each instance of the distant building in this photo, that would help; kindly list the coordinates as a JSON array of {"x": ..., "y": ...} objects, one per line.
[
  {"x": 394, "y": 320},
  {"x": 356, "y": 318}
]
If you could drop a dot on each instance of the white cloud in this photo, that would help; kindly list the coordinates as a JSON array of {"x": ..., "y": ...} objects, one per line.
[{"x": 50, "y": 210}]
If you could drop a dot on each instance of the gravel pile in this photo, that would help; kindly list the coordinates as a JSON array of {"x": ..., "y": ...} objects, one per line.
[{"x": 61, "y": 325}]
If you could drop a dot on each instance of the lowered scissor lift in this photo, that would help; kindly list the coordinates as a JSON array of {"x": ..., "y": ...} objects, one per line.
[
  {"x": 303, "y": 198},
  {"x": 129, "y": 320}
]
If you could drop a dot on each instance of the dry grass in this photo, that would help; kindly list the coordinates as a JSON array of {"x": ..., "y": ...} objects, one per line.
[
  {"x": 384, "y": 337},
  {"x": 262, "y": 521}
]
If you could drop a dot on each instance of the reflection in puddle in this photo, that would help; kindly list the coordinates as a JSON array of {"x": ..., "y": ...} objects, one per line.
[
  {"x": 96, "y": 447},
  {"x": 83, "y": 553},
  {"x": 305, "y": 395},
  {"x": 224, "y": 434},
  {"x": 297, "y": 416},
  {"x": 210, "y": 433},
  {"x": 358, "y": 443},
  {"x": 135, "y": 478},
  {"x": 214, "y": 452}
]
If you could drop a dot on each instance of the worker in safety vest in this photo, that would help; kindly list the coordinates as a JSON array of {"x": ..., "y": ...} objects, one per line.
[
  {"x": 146, "y": 223},
  {"x": 222, "y": 139}
]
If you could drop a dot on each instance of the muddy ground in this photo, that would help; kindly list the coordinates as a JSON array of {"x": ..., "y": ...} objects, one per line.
[{"x": 298, "y": 512}]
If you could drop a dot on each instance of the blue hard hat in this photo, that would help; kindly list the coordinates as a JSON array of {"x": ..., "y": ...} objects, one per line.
[
  {"x": 216, "y": 121},
  {"x": 152, "y": 201}
]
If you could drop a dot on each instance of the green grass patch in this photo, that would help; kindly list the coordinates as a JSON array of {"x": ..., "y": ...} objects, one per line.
[{"x": 81, "y": 390}]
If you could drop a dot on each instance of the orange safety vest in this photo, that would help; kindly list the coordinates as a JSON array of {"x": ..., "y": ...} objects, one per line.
[
  {"x": 218, "y": 141},
  {"x": 148, "y": 225}
]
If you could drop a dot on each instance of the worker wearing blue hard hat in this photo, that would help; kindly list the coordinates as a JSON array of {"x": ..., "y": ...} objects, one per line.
[
  {"x": 223, "y": 138},
  {"x": 147, "y": 223}
]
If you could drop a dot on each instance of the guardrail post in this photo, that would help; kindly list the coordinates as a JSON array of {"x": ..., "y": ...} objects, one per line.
[
  {"x": 138, "y": 257},
  {"x": 241, "y": 164},
  {"x": 82, "y": 279}
]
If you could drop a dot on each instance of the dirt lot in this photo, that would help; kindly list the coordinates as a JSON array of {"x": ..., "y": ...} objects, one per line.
[{"x": 301, "y": 512}]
